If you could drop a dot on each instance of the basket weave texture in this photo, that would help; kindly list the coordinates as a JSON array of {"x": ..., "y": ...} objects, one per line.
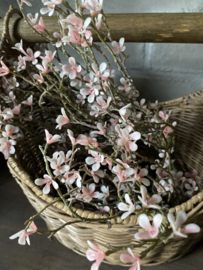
[{"x": 188, "y": 112}]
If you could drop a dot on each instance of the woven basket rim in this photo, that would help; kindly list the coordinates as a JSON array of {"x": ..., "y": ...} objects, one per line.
[{"x": 190, "y": 207}]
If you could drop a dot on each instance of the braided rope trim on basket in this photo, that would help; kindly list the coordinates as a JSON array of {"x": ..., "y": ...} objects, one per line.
[{"x": 191, "y": 206}]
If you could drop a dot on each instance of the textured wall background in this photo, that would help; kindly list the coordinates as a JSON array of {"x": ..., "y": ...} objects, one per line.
[{"x": 160, "y": 71}]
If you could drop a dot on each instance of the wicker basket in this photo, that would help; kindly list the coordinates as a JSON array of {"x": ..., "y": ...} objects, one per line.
[{"x": 187, "y": 111}]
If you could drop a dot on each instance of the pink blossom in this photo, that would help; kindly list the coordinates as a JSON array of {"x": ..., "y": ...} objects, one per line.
[
  {"x": 40, "y": 27},
  {"x": 88, "y": 193},
  {"x": 16, "y": 109},
  {"x": 176, "y": 176},
  {"x": 39, "y": 78},
  {"x": 52, "y": 138},
  {"x": 140, "y": 176},
  {"x": 4, "y": 70},
  {"x": 107, "y": 161},
  {"x": 164, "y": 116},
  {"x": 126, "y": 86},
  {"x": 141, "y": 104},
  {"x": 73, "y": 69},
  {"x": 29, "y": 55},
  {"x": 50, "y": 6},
  {"x": 152, "y": 231},
  {"x": 81, "y": 99},
  {"x": 75, "y": 38},
  {"x": 103, "y": 104},
  {"x": 76, "y": 24},
  {"x": 85, "y": 140},
  {"x": 101, "y": 129},
  {"x": 95, "y": 111},
  {"x": 21, "y": 63},
  {"x": 124, "y": 112},
  {"x": 97, "y": 255},
  {"x": 114, "y": 121},
  {"x": 126, "y": 139},
  {"x": 176, "y": 224},
  {"x": 102, "y": 73},
  {"x": 33, "y": 20},
  {"x": 91, "y": 92},
  {"x": 10, "y": 83},
  {"x": 125, "y": 165},
  {"x": 47, "y": 181},
  {"x": 193, "y": 175},
  {"x": 129, "y": 208},
  {"x": 151, "y": 203},
  {"x": 49, "y": 56},
  {"x": 9, "y": 98},
  {"x": 71, "y": 136},
  {"x": 154, "y": 105},
  {"x": 75, "y": 176},
  {"x": 102, "y": 210},
  {"x": 32, "y": 57},
  {"x": 98, "y": 21},
  {"x": 29, "y": 101},
  {"x": 10, "y": 131},
  {"x": 27, "y": 2},
  {"x": 62, "y": 119},
  {"x": 44, "y": 67},
  {"x": 58, "y": 37},
  {"x": 6, "y": 147},
  {"x": 168, "y": 186},
  {"x": 84, "y": 3},
  {"x": 19, "y": 47},
  {"x": 95, "y": 6},
  {"x": 7, "y": 114},
  {"x": 105, "y": 194},
  {"x": 96, "y": 160},
  {"x": 57, "y": 163},
  {"x": 191, "y": 186},
  {"x": 131, "y": 258},
  {"x": 123, "y": 175},
  {"x": 78, "y": 81},
  {"x": 102, "y": 109},
  {"x": 24, "y": 234},
  {"x": 167, "y": 131},
  {"x": 118, "y": 47},
  {"x": 96, "y": 175},
  {"x": 91, "y": 79}
]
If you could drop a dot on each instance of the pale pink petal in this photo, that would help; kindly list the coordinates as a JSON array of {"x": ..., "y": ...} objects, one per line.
[
  {"x": 143, "y": 191},
  {"x": 180, "y": 219},
  {"x": 157, "y": 220},
  {"x": 125, "y": 258},
  {"x": 46, "y": 188},
  {"x": 90, "y": 160},
  {"x": 40, "y": 182},
  {"x": 91, "y": 255},
  {"x": 125, "y": 215},
  {"x": 142, "y": 235},
  {"x": 155, "y": 199},
  {"x": 144, "y": 222},
  {"x": 55, "y": 185},
  {"x": 96, "y": 167},
  {"x": 190, "y": 228},
  {"x": 123, "y": 207}
]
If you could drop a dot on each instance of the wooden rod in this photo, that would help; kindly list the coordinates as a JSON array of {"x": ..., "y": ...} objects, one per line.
[{"x": 144, "y": 27}]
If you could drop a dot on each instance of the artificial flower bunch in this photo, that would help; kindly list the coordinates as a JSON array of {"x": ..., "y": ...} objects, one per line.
[{"x": 104, "y": 149}]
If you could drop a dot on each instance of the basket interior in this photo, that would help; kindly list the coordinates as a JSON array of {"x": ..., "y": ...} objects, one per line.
[{"x": 186, "y": 111}]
